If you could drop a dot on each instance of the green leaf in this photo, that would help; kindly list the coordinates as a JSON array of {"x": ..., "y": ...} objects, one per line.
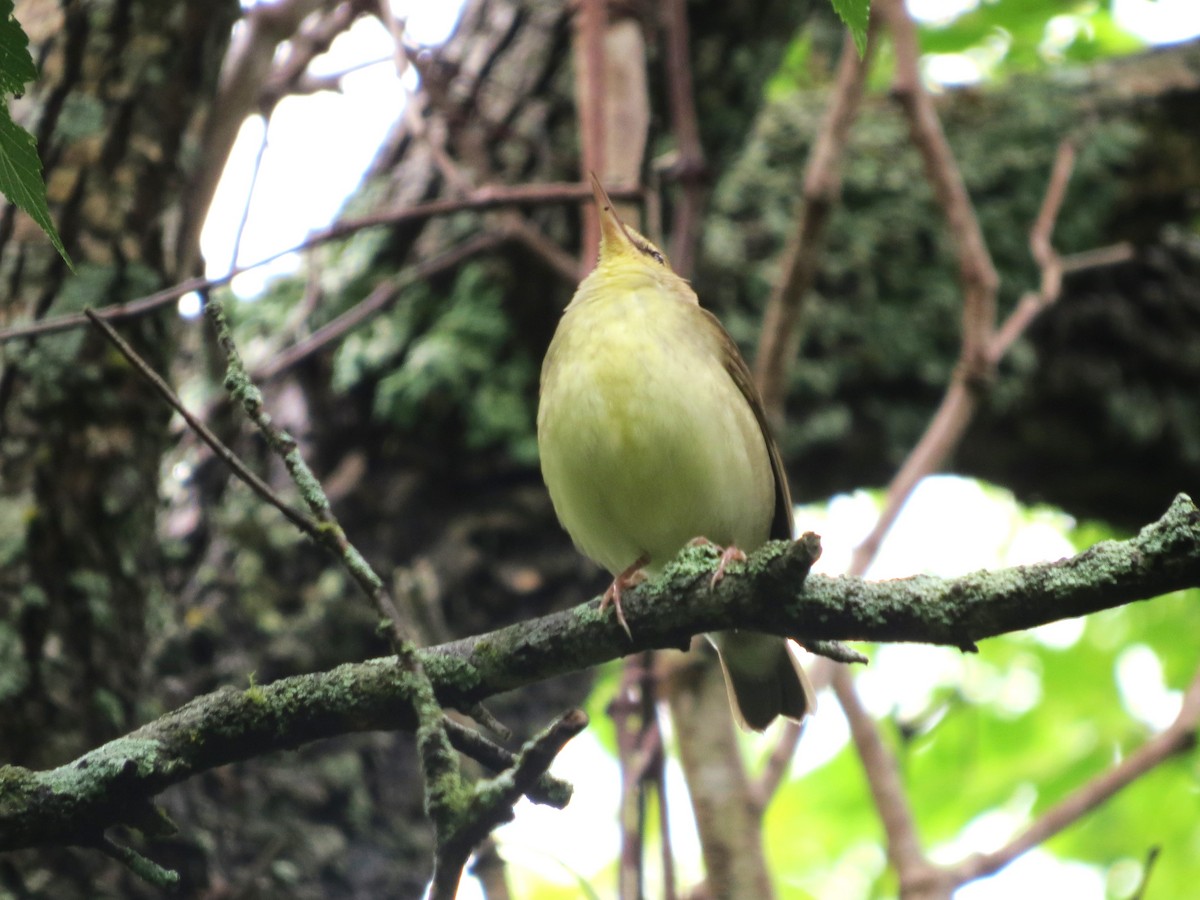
[
  {"x": 20, "y": 169},
  {"x": 16, "y": 65},
  {"x": 855, "y": 13}
]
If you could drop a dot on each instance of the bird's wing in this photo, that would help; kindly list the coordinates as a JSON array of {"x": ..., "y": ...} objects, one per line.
[{"x": 782, "y": 524}]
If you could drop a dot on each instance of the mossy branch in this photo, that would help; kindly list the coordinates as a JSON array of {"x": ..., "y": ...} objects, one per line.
[{"x": 109, "y": 785}]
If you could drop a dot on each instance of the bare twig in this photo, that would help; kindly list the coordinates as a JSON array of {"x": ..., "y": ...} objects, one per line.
[
  {"x": 547, "y": 790},
  {"x": 917, "y": 875},
  {"x": 231, "y": 459},
  {"x": 976, "y": 270},
  {"x": 778, "y": 763},
  {"x": 382, "y": 296},
  {"x": 689, "y": 167},
  {"x": 658, "y": 775},
  {"x": 1097, "y": 258},
  {"x": 589, "y": 53},
  {"x": 487, "y": 197},
  {"x": 1151, "y": 858},
  {"x": 941, "y": 436},
  {"x": 289, "y": 75},
  {"x": 982, "y": 348},
  {"x": 555, "y": 258},
  {"x": 395, "y": 28},
  {"x": 779, "y": 340},
  {"x": 1178, "y": 737},
  {"x": 255, "y": 172}
]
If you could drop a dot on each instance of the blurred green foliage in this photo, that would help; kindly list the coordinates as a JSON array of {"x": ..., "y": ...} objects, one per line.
[
  {"x": 981, "y": 748},
  {"x": 442, "y": 358},
  {"x": 1032, "y": 34}
]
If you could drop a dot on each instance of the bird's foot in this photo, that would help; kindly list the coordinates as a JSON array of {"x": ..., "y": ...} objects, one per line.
[
  {"x": 628, "y": 577},
  {"x": 729, "y": 555}
]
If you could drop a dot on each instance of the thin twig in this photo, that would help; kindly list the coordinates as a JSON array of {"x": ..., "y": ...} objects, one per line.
[
  {"x": 449, "y": 801},
  {"x": 976, "y": 270},
  {"x": 491, "y": 802},
  {"x": 778, "y": 763},
  {"x": 244, "y": 72},
  {"x": 779, "y": 339},
  {"x": 982, "y": 348},
  {"x": 144, "y": 868},
  {"x": 395, "y": 27},
  {"x": 1148, "y": 869},
  {"x": 1176, "y": 738},
  {"x": 231, "y": 459},
  {"x": 1113, "y": 255},
  {"x": 659, "y": 777},
  {"x": 381, "y": 298},
  {"x": 1044, "y": 254},
  {"x": 484, "y": 198},
  {"x": 590, "y": 21},
  {"x": 255, "y": 172},
  {"x": 548, "y": 790},
  {"x": 887, "y": 788},
  {"x": 918, "y": 877},
  {"x": 289, "y": 74},
  {"x": 941, "y": 436},
  {"x": 689, "y": 168}
]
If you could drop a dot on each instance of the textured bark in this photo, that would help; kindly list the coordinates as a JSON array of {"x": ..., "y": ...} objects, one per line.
[
  {"x": 122, "y": 88},
  {"x": 122, "y": 84}
]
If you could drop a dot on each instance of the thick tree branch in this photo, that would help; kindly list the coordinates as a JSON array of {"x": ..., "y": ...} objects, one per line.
[{"x": 111, "y": 783}]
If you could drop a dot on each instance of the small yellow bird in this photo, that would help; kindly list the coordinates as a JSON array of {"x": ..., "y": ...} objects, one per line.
[{"x": 651, "y": 434}]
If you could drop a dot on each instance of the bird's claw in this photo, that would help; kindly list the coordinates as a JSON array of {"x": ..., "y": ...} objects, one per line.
[
  {"x": 630, "y": 576},
  {"x": 729, "y": 555}
]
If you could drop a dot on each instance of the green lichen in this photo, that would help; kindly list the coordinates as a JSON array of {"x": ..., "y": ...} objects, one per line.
[
  {"x": 452, "y": 671},
  {"x": 140, "y": 756}
]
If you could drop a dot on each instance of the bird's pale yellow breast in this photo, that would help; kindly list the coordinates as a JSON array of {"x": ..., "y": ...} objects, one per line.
[{"x": 646, "y": 441}]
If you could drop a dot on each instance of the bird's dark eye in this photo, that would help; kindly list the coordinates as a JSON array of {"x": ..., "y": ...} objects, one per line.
[{"x": 649, "y": 251}]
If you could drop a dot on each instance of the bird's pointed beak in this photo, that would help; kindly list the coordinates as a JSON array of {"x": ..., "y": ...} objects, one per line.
[{"x": 612, "y": 229}]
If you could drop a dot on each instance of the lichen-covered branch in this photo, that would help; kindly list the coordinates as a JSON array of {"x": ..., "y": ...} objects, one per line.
[{"x": 112, "y": 783}]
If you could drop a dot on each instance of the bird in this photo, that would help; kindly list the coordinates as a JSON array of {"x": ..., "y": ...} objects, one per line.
[{"x": 651, "y": 435}]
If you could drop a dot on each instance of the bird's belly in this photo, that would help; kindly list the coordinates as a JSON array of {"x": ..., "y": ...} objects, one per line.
[{"x": 648, "y": 446}]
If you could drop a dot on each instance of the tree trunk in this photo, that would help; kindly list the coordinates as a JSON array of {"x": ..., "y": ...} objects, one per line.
[{"x": 122, "y": 88}]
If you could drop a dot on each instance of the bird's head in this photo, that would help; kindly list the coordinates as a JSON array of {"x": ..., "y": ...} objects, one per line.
[{"x": 620, "y": 245}]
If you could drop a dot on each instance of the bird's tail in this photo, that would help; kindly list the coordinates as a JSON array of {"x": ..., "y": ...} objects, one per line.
[{"x": 764, "y": 679}]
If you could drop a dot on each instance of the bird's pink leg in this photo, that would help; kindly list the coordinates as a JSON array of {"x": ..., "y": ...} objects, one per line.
[
  {"x": 728, "y": 555},
  {"x": 628, "y": 577}
]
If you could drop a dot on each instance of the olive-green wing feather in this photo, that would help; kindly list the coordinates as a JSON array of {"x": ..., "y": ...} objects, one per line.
[{"x": 782, "y": 524}]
